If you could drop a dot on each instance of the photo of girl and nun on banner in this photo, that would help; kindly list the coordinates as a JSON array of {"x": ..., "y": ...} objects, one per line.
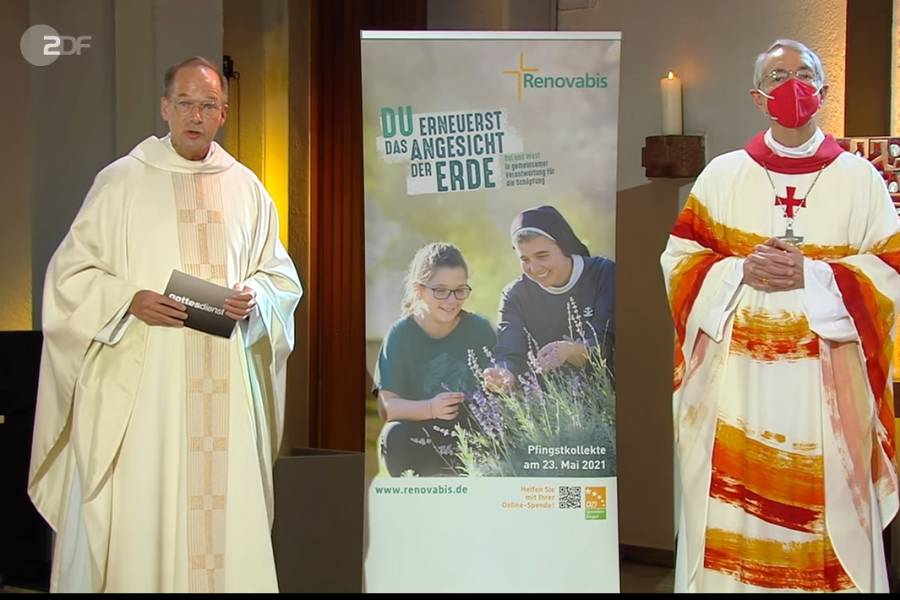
[
  {"x": 490, "y": 209},
  {"x": 468, "y": 394},
  {"x": 490, "y": 216}
]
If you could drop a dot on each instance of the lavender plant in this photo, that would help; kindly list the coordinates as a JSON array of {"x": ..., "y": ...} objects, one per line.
[{"x": 566, "y": 407}]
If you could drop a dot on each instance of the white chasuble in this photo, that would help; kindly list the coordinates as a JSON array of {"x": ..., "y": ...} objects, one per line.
[{"x": 153, "y": 448}]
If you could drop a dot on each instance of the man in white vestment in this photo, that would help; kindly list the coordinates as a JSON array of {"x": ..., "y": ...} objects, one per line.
[
  {"x": 782, "y": 277},
  {"x": 154, "y": 443}
]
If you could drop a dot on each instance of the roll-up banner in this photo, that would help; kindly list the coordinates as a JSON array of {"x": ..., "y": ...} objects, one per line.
[{"x": 490, "y": 188}]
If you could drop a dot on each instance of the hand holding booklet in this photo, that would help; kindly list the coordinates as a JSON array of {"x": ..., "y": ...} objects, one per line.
[{"x": 204, "y": 302}]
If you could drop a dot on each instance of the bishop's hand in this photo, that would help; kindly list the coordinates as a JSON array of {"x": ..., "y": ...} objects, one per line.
[{"x": 774, "y": 266}]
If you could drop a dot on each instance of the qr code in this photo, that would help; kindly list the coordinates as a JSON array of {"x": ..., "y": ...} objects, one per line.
[{"x": 570, "y": 496}]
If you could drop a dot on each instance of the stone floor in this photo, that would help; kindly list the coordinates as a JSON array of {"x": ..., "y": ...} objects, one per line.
[{"x": 638, "y": 578}]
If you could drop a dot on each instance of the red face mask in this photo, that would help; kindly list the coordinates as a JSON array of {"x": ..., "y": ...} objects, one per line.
[{"x": 793, "y": 103}]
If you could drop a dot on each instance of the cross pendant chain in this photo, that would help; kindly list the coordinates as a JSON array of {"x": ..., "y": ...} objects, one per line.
[{"x": 791, "y": 203}]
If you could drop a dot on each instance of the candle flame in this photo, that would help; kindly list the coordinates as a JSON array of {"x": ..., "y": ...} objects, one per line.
[{"x": 671, "y": 75}]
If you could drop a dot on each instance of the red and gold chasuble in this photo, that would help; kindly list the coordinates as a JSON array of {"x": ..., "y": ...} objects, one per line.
[{"x": 784, "y": 437}]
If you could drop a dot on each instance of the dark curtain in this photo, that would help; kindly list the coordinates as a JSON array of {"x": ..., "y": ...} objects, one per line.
[{"x": 339, "y": 383}]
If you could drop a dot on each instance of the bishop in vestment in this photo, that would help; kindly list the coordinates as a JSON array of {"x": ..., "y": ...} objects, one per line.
[{"x": 782, "y": 278}]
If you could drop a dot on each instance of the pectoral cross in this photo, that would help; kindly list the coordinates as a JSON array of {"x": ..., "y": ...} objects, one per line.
[{"x": 789, "y": 204}]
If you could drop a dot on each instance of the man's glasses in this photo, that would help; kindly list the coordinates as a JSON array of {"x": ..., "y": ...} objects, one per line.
[
  {"x": 442, "y": 293},
  {"x": 779, "y": 76},
  {"x": 207, "y": 109}
]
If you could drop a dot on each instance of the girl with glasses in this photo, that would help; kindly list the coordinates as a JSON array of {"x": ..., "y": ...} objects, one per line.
[{"x": 422, "y": 374}]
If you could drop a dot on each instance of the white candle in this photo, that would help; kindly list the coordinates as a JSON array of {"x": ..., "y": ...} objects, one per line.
[{"x": 670, "y": 88}]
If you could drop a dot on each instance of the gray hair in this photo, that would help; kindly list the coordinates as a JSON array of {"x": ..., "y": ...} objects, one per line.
[
  {"x": 194, "y": 61},
  {"x": 811, "y": 57}
]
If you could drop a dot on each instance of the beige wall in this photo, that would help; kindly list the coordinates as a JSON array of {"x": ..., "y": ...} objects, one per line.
[
  {"x": 711, "y": 45},
  {"x": 15, "y": 230},
  {"x": 72, "y": 132},
  {"x": 137, "y": 95}
]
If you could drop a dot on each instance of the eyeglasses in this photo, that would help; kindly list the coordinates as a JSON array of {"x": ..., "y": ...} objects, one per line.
[
  {"x": 442, "y": 293},
  {"x": 778, "y": 76},
  {"x": 207, "y": 109}
]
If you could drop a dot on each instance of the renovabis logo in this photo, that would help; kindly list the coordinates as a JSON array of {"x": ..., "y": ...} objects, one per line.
[
  {"x": 595, "y": 503},
  {"x": 531, "y": 78}
]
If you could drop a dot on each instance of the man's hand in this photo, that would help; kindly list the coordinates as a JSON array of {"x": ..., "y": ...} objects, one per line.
[
  {"x": 157, "y": 309},
  {"x": 239, "y": 305},
  {"x": 555, "y": 354},
  {"x": 774, "y": 266},
  {"x": 445, "y": 405}
]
